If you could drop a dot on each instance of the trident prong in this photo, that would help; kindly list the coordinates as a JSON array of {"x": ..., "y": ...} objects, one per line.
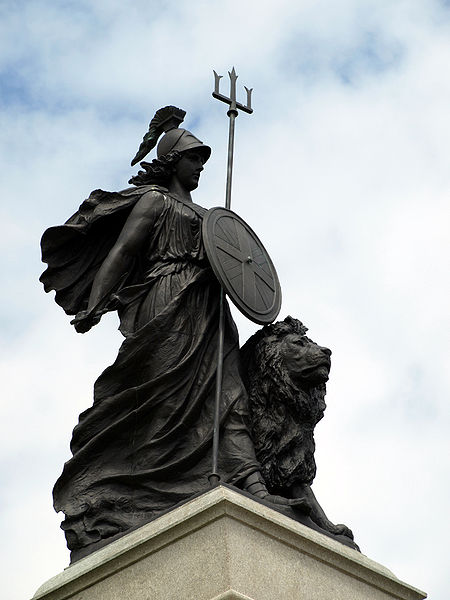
[
  {"x": 249, "y": 97},
  {"x": 234, "y": 105},
  {"x": 217, "y": 79},
  {"x": 233, "y": 78},
  {"x": 214, "y": 477}
]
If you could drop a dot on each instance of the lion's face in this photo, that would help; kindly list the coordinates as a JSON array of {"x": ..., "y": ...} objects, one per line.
[{"x": 307, "y": 363}]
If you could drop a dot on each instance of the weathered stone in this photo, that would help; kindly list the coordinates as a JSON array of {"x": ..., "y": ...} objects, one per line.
[{"x": 223, "y": 545}]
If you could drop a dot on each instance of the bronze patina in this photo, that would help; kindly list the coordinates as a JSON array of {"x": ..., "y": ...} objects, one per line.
[{"x": 150, "y": 440}]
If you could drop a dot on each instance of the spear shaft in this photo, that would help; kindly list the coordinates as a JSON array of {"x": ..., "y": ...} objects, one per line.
[{"x": 232, "y": 113}]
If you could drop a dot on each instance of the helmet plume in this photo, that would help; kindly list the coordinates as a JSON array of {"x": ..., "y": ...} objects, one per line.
[{"x": 165, "y": 119}]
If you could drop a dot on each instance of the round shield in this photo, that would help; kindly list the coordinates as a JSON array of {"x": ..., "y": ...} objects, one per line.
[{"x": 242, "y": 265}]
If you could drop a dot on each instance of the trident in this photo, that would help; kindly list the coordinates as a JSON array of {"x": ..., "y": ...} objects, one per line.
[{"x": 232, "y": 112}]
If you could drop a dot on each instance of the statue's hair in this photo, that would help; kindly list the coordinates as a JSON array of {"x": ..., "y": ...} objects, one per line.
[
  {"x": 282, "y": 416},
  {"x": 158, "y": 172}
]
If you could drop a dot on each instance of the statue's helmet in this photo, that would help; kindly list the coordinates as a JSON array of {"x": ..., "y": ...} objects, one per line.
[
  {"x": 167, "y": 120},
  {"x": 181, "y": 140}
]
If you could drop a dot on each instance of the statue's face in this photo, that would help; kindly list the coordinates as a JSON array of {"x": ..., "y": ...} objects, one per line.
[
  {"x": 306, "y": 362},
  {"x": 188, "y": 169}
]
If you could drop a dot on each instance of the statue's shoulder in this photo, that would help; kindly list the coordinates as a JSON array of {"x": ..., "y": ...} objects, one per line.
[
  {"x": 151, "y": 198},
  {"x": 144, "y": 189},
  {"x": 148, "y": 191}
]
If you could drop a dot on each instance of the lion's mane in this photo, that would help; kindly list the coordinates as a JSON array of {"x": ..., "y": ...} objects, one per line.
[{"x": 282, "y": 414}]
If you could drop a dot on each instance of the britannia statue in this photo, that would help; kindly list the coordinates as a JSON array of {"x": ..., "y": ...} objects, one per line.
[{"x": 163, "y": 426}]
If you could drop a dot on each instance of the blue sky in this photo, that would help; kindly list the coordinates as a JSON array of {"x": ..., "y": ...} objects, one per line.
[{"x": 343, "y": 170}]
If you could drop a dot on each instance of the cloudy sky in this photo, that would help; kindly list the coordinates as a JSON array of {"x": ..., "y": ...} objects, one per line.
[{"x": 343, "y": 170}]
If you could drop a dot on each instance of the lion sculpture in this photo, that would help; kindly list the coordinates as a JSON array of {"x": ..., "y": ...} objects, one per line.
[{"x": 285, "y": 374}]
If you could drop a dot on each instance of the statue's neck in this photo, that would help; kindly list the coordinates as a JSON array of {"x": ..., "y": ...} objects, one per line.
[{"x": 179, "y": 191}]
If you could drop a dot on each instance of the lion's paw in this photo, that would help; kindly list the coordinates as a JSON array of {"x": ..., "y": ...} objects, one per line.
[
  {"x": 300, "y": 504},
  {"x": 341, "y": 529}
]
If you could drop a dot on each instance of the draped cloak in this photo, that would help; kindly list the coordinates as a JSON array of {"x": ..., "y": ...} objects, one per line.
[{"x": 145, "y": 444}]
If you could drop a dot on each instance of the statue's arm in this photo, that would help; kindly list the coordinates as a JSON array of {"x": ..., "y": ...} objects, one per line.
[{"x": 129, "y": 244}]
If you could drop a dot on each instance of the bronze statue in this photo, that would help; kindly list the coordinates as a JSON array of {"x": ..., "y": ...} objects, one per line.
[
  {"x": 145, "y": 444},
  {"x": 285, "y": 376}
]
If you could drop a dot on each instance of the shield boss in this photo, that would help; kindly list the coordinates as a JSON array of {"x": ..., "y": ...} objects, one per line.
[{"x": 242, "y": 265}]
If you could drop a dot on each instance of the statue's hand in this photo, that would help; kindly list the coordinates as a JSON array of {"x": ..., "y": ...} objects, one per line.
[{"x": 84, "y": 320}]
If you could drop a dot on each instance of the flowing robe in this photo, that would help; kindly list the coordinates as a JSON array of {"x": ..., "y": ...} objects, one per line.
[{"x": 145, "y": 444}]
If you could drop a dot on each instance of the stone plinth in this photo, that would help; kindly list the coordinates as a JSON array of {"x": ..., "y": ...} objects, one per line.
[{"x": 224, "y": 546}]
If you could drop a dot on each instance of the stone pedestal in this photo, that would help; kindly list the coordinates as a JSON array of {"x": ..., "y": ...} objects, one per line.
[{"x": 224, "y": 546}]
